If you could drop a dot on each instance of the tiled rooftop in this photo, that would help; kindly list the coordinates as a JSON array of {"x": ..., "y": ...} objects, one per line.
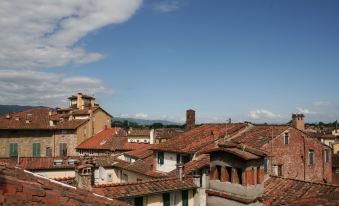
[
  {"x": 19, "y": 187},
  {"x": 141, "y": 153},
  {"x": 44, "y": 163},
  {"x": 285, "y": 191},
  {"x": 144, "y": 188},
  {"x": 200, "y": 162},
  {"x": 35, "y": 118},
  {"x": 198, "y": 138},
  {"x": 139, "y": 132},
  {"x": 259, "y": 135}
]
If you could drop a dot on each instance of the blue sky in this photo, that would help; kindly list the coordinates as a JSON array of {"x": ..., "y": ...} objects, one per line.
[{"x": 247, "y": 60}]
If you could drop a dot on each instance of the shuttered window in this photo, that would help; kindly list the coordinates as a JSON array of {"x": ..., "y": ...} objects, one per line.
[
  {"x": 63, "y": 149},
  {"x": 185, "y": 198},
  {"x": 36, "y": 149},
  {"x": 13, "y": 149},
  {"x": 166, "y": 199},
  {"x": 160, "y": 158}
]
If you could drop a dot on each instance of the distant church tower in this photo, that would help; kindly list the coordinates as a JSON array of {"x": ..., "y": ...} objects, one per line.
[{"x": 190, "y": 119}]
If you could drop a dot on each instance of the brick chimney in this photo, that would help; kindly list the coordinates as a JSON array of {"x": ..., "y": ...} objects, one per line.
[
  {"x": 190, "y": 119},
  {"x": 84, "y": 173},
  {"x": 298, "y": 121}
]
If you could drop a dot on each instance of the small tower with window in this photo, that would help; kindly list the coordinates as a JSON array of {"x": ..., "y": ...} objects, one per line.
[{"x": 84, "y": 173}]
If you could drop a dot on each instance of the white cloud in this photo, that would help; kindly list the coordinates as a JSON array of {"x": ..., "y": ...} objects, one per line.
[
  {"x": 46, "y": 89},
  {"x": 39, "y": 33},
  {"x": 168, "y": 5},
  {"x": 305, "y": 111},
  {"x": 322, "y": 103},
  {"x": 141, "y": 115},
  {"x": 263, "y": 113}
]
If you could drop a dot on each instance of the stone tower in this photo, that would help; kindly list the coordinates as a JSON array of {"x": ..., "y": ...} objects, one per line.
[
  {"x": 190, "y": 119},
  {"x": 298, "y": 121}
]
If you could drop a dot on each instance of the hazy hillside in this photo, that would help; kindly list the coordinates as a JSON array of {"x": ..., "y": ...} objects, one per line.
[
  {"x": 12, "y": 108},
  {"x": 145, "y": 122}
]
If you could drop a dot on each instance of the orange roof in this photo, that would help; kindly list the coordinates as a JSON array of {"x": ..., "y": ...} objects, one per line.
[
  {"x": 198, "y": 138},
  {"x": 19, "y": 187},
  {"x": 143, "y": 188},
  {"x": 100, "y": 140},
  {"x": 36, "y": 118},
  {"x": 142, "y": 152}
]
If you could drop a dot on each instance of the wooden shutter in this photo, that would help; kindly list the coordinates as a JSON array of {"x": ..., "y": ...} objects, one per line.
[
  {"x": 214, "y": 173},
  {"x": 224, "y": 175},
  {"x": 185, "y": 198},
  {"x": 36, "y": 149},
  {"x": 13, "y": 150},
  {"x": 161, "y": 158}
]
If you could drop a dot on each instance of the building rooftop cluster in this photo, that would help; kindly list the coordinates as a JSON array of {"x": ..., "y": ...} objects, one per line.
[{"x": 81, "y": 160}]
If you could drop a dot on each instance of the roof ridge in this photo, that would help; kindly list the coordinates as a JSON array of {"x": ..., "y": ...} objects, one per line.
[
  {"x": 306, "y": 181},
  {"x": 135, "y": 183}
]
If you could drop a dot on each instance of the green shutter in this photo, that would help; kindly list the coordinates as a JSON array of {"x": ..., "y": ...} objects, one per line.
[
  {"x": 185, "y": 198},
  {"x": 36, "y": 149},
  {"x": 13, "y": 149},
  {"x": 178, "y": 158},
  {"x": 166, "y": 199}
]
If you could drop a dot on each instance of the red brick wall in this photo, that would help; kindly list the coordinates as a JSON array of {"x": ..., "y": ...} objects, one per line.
[{"x": 294, "y": 157}]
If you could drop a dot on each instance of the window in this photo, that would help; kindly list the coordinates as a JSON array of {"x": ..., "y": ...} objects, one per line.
[
  {"x": 218, "y": 172},
  {"x": 311, "y": 157},
  {"x": 63, "y": 149},
  {"x": 184, "y": 198},
  {"x": 178, "y": 158},
  {"x": 280, "y": 170},
  {"x": 286, "y": 136},
  {"x": 326, "y": 156},
  {"x": 166, "y": 199},
  {"x": 139, "y": 201},
  {"x": 13, "y": 150},
  {"x": 109, "y": 178},
  {"x": 48, "y": 152},
  {"x": 265, "y": 165},
  {"x": 124, "y": 178},
  {"x": 185, "y": 159},
  {"x": 36, "y": 149},
  {"x": 160, "y": 158}
]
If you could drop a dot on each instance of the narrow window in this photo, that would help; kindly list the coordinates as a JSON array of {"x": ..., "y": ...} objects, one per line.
[
  {"x": 326, "y": 156},
  {"x": 184, "y": 198},
  {"x": 48, "y": 152},
  {"x": 229, "y": 173},
  {"x": 178, "y": 158},
  {"x": 280, "y": 170},
  {"x": 13, "y": 150},
  {"x": 286, "y": 136},
  {"x": 311, "y": 157},
  {"x": 265, "y": 165},
  {"x": 219, "y": 172},
  {"x": 160, "y": 158},
  {"x": 63, "y": 149},
  {"x": 166, "y": 199},
  {"x": 36, "y": 149}
]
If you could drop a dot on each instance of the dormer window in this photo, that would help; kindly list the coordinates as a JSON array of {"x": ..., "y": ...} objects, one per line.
[{"x": 286, "y": 137}]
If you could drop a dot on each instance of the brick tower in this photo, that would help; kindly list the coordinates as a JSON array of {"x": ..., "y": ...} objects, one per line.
[
  {"x": 190, "y": 119},
  {"x": 298, "y": 121}
]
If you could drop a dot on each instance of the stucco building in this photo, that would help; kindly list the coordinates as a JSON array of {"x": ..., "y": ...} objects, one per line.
[{"x": 40, "y": 132}]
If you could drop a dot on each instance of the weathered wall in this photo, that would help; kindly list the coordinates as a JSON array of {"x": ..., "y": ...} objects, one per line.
[
  {"x": 101, "y": 121},
  {"x": 170, "y": 161},
  {"x": 294, "y": 157}
]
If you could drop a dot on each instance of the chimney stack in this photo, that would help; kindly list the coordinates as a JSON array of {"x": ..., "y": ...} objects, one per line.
[
  {"x": 298, "y": 121},
  {"x": 180, "y": 171},
  {"x": 84, "y": 173},
  {"x": 190, "y": 119}
]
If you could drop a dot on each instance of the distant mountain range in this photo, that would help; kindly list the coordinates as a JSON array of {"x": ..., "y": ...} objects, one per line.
[
  {"x": 145, "y": 121},
  {"x": 12, "y": 108}
]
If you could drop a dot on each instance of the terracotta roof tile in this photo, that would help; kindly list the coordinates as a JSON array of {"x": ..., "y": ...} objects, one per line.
[
  {"x": 139, "y": 132},
  {"x": 198, "y": 163},
  {"x": 99, "y": 141},
  {"x": 258, "y": 136},
  {"x": 35, "y": 118},
  {"x": 285, "y": 191},
  {"x": 198, "y": 138},
  {"x": 19, "y": 187},
  {"x": 144, "y": 188},
  {"x": 141, "y": 153}
]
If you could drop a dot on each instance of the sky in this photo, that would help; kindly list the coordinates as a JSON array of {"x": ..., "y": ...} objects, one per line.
[{"x": 257, "y": 61}]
